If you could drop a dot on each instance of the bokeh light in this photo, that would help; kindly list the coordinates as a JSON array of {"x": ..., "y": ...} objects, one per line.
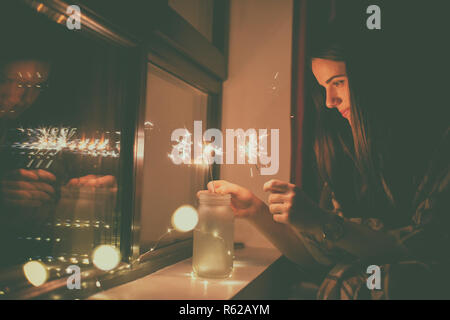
[
  {"x": 35, "y": 272},
  {"x": 185, "y": 218},
  {"x": 106, "y": 257}
]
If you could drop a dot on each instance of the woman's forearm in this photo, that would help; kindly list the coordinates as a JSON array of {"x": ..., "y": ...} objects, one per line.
[
  {"x": 283, "y": 237},
  {"x": 364, "y": 242},
  {"x": 361, "y": 241}
]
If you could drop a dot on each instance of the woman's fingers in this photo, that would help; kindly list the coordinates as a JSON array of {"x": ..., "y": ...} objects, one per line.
[
  {"x": 212, "y": 186},
  {"x": 93, "y": 181},
  {"x": 73, "y": 182},
  {"x": 202, "y": 191},
  {"x": 280, "y": 199},
  {"x": 26, "y": 185},
  {"x": 277, "y": 198},
  {"x": 281, "y": 218},
  {"x": 45, "y": 175},
  {"x": 32, "y": 175},
  {"x": 278, "y": 186},
  {"x": 44, "y": 187},
  {"x": 106, "y": 181},
  {"x": 22, "y": 173},
  {"x": 223, "y": 187},
  {"x": 26, "y": 195},
  {"x": 87, "y": 180},
  {"x": 277, "y": 208}
]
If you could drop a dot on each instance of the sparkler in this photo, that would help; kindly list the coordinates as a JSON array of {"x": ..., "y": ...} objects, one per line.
[
  {"x": 209, "y": 150},
  {"x": 250, "y": 149},
  {"x": 183, "y": 151},
  {"x": 51, "y": 140}
]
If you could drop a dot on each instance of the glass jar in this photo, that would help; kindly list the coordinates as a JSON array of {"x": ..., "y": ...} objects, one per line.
[{"x": 213, "y": 237}]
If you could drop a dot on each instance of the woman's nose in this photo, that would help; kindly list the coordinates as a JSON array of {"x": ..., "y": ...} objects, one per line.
[{"x": 333, "y": 101}]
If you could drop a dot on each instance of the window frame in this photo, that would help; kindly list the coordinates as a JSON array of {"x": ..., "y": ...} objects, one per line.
[
  {"x": 154, "y": 33},
  {"x": 172, "y": 45}
]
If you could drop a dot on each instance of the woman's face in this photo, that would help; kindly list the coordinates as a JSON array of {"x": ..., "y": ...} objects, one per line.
[
  {"x": 21, "y": 83},
  {"x": 333, "y": 77}
]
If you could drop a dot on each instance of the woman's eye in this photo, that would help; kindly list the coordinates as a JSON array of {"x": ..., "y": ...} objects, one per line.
[{"x": 338, "y": 83}]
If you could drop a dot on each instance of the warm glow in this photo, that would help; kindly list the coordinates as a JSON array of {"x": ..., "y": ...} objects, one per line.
[
  {"x": 35, "y": 272},
  {"x": 59, "y": 139},
  {"x": 106, "y": 257},
  {"x": 185, "y": 218}
]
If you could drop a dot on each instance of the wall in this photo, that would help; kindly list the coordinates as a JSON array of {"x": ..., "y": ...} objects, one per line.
[{"x": 257, "y": 92}]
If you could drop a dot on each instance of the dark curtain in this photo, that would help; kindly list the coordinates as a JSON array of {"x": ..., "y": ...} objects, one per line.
[{"x": 309, "y": 18}]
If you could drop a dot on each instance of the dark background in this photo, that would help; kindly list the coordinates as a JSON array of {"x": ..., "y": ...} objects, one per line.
[{"x": 401, "y": 69}]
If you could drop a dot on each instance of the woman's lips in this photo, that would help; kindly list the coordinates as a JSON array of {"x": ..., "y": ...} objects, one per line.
[{"x": 346, "y": 113}]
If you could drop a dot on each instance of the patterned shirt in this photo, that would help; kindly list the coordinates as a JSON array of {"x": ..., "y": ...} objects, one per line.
[{"x": 426, "y": 238}]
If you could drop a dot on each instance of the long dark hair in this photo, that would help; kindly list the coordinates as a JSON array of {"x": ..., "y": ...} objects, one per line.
[{"x": 373, "y": 166}]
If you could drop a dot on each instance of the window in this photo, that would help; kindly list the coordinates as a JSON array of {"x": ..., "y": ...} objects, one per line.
[
  {"x": 199, "y": 13},
  {"x": 85, "y": 124},
  {"x": 171, "y": 104},
  {"x": 61, "y": 112}
]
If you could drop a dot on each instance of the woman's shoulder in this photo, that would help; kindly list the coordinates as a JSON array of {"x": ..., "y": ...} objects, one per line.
[
  {"x": 429, "y": 232},
  {"x": 432, "y": 192}
]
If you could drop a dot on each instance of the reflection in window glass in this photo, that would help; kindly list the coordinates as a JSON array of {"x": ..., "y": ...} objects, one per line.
[
  {"x": 199, "y": 13},
  {"x": 171, "y": 104},
  {"x": 60, "y": 134}
]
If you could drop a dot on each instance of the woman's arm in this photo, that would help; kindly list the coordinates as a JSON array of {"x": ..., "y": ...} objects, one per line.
[
  {"x": 283, "y": 237},
  {"x": 289, "y": 205},
  {"x": 364, "y": 242}
]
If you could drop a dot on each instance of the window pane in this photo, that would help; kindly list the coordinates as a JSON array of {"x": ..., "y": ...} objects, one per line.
[
  {"x": 171, "y": 104},
  {"x": 199, "y": 13},
  {"x": 60, "y": 137}
]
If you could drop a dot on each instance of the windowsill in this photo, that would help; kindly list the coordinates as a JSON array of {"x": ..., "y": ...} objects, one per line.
[{"x": 175, "y": 282}]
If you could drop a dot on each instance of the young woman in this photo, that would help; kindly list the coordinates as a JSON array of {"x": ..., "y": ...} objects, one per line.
[{"x": 384, "y": 173}]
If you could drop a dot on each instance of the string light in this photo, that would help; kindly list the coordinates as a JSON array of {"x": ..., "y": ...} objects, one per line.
[
  {"x": 35, "y": 272},
  {"x": 185, "y": 218},
  {"x": 106, "y": 257}
]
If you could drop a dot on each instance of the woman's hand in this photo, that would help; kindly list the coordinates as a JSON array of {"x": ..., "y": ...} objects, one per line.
[
  {"x": 243, "y": 202},
  {"x": 290, "y": 205},
  {"x": 94, "y": 181},
  {"x": 27, "y": 188}
]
